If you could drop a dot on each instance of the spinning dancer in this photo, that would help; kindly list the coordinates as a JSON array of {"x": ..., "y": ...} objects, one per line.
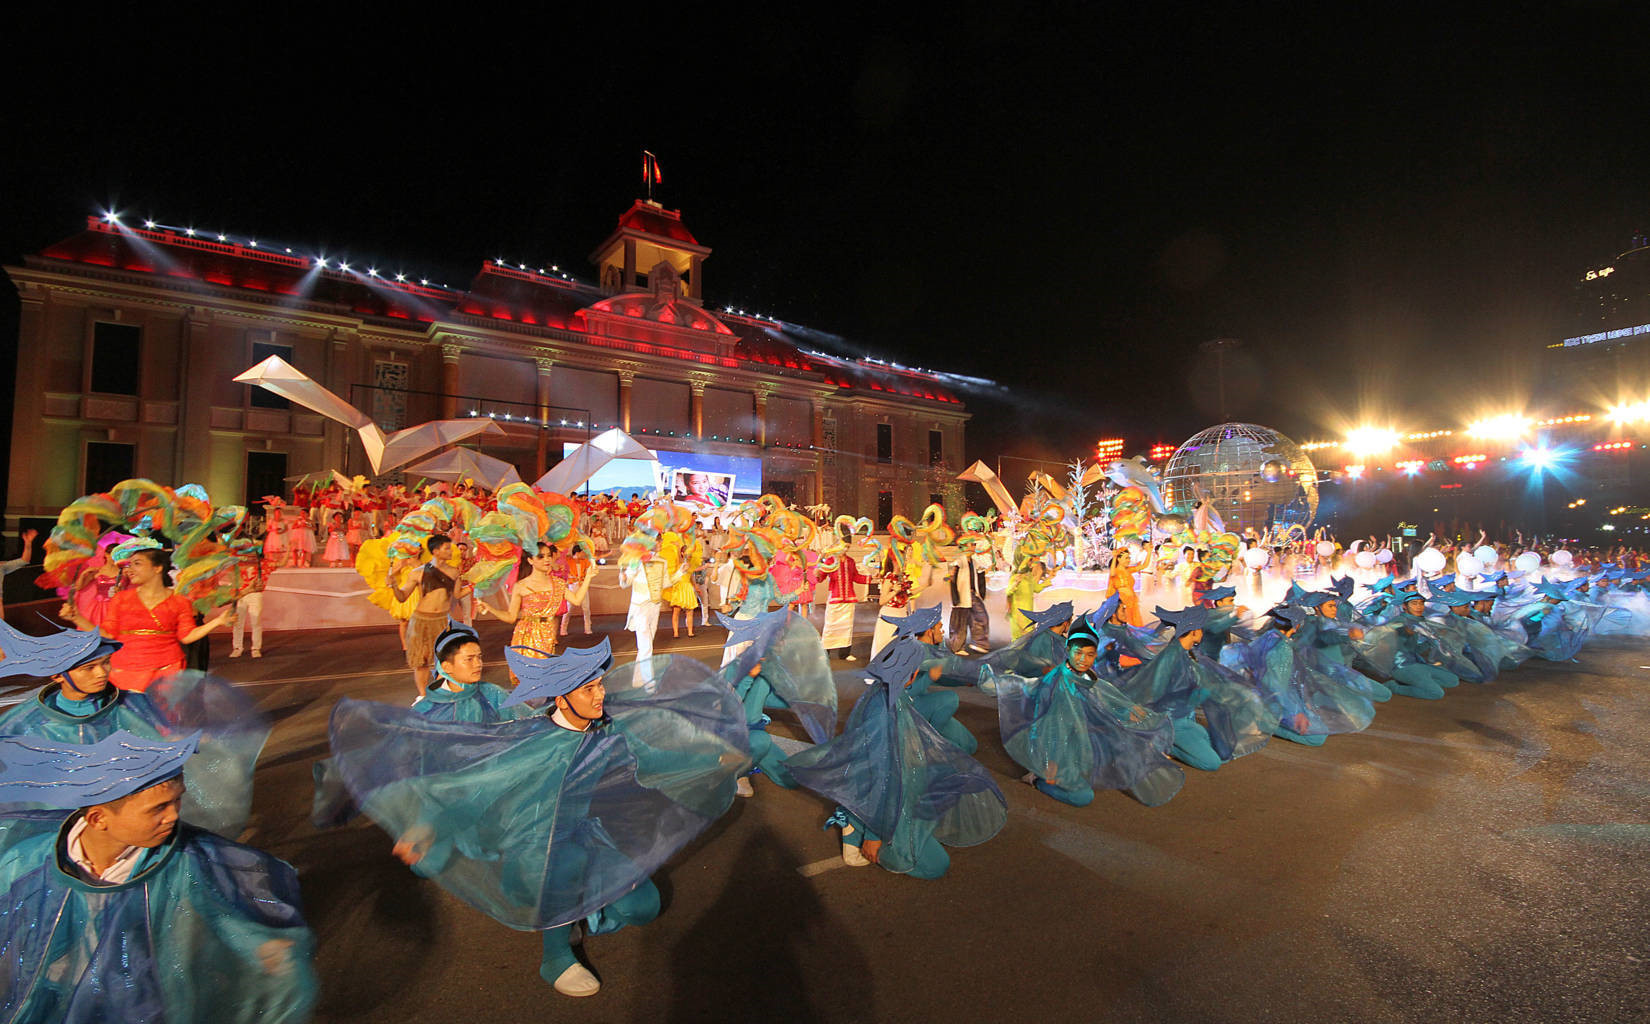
[
  {"x": 554, "y": 822},
  {"x": 904, "y": 792},
  {"x": 780, "y": 665},
  {"x": 461, "y": 696}
]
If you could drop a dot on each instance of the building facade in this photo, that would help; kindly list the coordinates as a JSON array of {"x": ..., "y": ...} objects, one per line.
[{"x": 129, "y": 340}]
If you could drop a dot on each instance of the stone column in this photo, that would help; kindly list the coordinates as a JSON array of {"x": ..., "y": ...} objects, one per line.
[
  {"x": 761, "y": 400},
  {"x": 696, "y": 287},
  {"x": 545, "y": 365},
  {"x": 696, "y": 408},
  {"x": 626, "y": 378},
  {"x": 449, "y": 380}
]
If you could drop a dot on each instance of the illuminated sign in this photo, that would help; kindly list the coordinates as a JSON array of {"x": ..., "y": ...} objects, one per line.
[
  {"x": 1594, "y": 275},
  {"x": 1620, "y": 332}
]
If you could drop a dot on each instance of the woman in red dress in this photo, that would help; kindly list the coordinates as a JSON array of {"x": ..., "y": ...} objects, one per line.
[{"x": 151, "y": 623}]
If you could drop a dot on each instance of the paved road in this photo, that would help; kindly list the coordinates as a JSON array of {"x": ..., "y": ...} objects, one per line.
[{"x": 1483, "y": 858}]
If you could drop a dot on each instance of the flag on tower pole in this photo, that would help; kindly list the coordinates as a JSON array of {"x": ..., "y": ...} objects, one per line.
[{"x": 650, "y": 172}]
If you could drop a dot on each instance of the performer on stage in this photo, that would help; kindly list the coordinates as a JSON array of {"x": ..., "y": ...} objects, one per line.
[
  {"x": 337, "y": 554},
  {"x": 780, "y": 665},
  {"x": 120, "y": 911},
  {"x": 300, "y": 539},
  {"x": 970, "y": 623},
  {"x": 1120, "y": 581},
  {"x": 1407, "y": 651},
  {"x": 683, "y": 554},
  {"x": 249, "y": 606},
  {"x": 580, "y": 573},
  {"x": 1180, "y": 683},
  {"x": 553, "y": 823},
  {"x": 461, "y": 696},
  {"x": 647, "y": 582},
  {"x": 1075, "y": 731},
  {"x": 1029, "y": 580}
]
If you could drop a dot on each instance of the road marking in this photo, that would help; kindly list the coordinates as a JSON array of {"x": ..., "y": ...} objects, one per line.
[{"x": 819, "y": 867}]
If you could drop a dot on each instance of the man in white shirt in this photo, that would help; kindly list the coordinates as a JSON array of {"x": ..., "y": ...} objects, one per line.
[
  {"x": 969, "y": 621},
  {"x": 647, "y": 584}
]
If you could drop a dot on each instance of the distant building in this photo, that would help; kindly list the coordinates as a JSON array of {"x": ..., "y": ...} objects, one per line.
[
  {"x": 130, "y": 337},
  {"x": 1606, "y": 347}
]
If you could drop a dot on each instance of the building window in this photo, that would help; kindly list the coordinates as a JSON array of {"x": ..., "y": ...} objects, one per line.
[
  {"x": 107, "y": 464},
  {"x": 885, "y": 442},
  {"x": 265, "y": 475},
  {"x": 263, "y": 398},
  {"x": 885, "y": 508},
  {"x": 936, "y": 447},
  {"x": 116, "y": 349}
]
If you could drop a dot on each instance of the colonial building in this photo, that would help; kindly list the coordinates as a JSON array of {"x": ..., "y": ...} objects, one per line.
[{"x": 130, "y": 339}]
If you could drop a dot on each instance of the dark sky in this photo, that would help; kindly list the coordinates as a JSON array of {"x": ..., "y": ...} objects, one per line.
[{"x": 1389, "y": 210}]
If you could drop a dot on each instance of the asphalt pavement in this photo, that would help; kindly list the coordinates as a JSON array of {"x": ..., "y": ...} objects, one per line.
[{"x": 1481, "y": 858}]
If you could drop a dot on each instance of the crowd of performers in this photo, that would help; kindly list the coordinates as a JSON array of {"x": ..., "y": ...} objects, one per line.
[{"x": 548, "y": 804}]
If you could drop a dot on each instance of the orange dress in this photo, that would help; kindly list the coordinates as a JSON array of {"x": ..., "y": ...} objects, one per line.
[
  {"x": 1120, "y": 581},
  {"x": 536, "y": 621}
]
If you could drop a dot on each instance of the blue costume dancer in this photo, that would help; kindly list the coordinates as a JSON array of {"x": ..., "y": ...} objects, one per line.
[
  {"x": 904, "y": 792},
  {"x": 1407, "y": 650},
  {"x": 559, "y": 818},
  {"x": 78, "y": 705},
  {"x": 1324, "y": 640},
  {"x": 1225, "y": 620},
  {"x": 1135, "y": 645},
  {"x": 930, "y": 695},
  {"x": 1074, "y": 731},
  {"x": 1555, "y": 625},
  {"x": 782, "y": 665},
  {"x": 1312, "y": 705},
  {"x": 1179, "y": 683},
  {"x": 461, "y": 696},
  {"x": 120, "y": 911}
]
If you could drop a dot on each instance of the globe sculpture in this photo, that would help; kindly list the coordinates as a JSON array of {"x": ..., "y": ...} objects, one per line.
[{"x": 1257, "y": 478}]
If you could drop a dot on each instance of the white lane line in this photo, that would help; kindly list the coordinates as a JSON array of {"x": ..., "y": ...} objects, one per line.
[{"x": 819, "y": 867}]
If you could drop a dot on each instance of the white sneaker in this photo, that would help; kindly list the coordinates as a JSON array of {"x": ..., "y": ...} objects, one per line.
[
  {"x": 257, "y": 654},
  {"x": 236, "y": 653},
  {"x": 850, "y": 658},
  {"x": 578, "y": 982},
  {"x": 744, "y": 788},
  {"x": 853, "y": 857}
]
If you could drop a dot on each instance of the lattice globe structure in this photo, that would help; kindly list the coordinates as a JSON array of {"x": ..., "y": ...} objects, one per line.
[{"x": 1256, "y": 477}]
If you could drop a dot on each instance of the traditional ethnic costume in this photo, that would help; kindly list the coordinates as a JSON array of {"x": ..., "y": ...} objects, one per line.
[
  {"x": 1076, "y": 732},
  {"x": 194, "y": 929},
  {"x": 540, "y": 825},
  {"x": 904, "y": 792}
]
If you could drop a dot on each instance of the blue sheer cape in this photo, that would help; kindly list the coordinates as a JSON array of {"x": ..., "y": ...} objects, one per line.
[
  {"x": 903, "y": 779},
  {"x": 218, "y": 778},
  {"x": 536, "y": 825},
  {"x": 1310, "y": 702},
  {"x": 206, "y": 931},
  {"x": 1064, "y": 726}
]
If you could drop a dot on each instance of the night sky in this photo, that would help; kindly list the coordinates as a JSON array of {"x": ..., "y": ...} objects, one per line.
[{"x": 1389, "y": 211}]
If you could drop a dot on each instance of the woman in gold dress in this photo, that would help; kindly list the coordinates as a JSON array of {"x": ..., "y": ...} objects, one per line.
[{"x": 536, "y": 604}]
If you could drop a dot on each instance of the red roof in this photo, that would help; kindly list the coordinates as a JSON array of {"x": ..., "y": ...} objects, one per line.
[
  {"x": 497, "y": 293},
  {"x": 656, "y": 220}
]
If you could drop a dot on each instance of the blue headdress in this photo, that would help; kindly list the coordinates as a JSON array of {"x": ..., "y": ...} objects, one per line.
[
  {"x": 1456, "y": 598},
  {"x": 1102, "y": 615},
  {"x": 1556, "y": 591},
  {"x": 1440, "y": 582},
  {"x": 896, "y": 664},
  {"x": 1288, "y": 614},
  {"x": 1384, "y": 583},
  {"x": 1185, "y": 620},
  {"x": 1049, "y": 617},
  {"x": 45, "y": 656},
  {"x": 1343, "y": 586},
  {"x": 1210, "y": 597},
  {"x": 68, "y": 776},
  {"x": 555, "y": 675},
  {"x": 1315, "y": 599},
  {"x": 759, "y": 633},
  {"x": 920, "y": 621}
]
